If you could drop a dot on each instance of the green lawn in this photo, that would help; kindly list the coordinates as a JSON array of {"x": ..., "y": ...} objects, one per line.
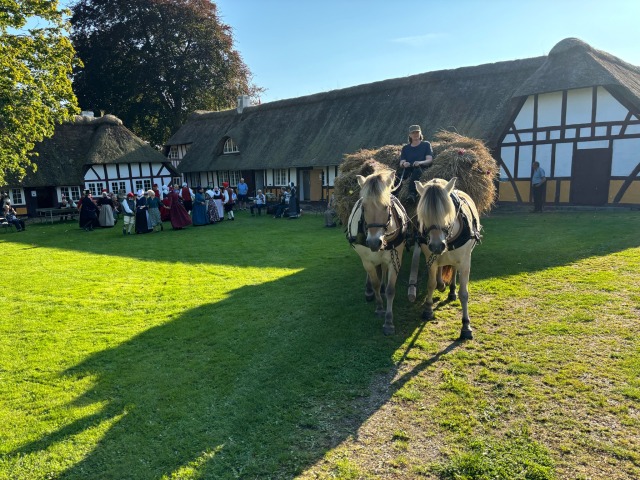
[{"x": 247, "y": 350}]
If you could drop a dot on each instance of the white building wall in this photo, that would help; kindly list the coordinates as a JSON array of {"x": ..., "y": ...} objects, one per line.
[
  {"x": 112, "y": 171},
  {"x": 543, "y": 156},
  {"x": 525, "y": 116},
  {"x": 608, "y": 108},
  {"x": 579, "y": 106},
  {"x": 549, "y": 109},
  {"x": 564, "y": 156},
  {"x": 525, "y": 161},
  {"x": 508, "y": 155},
  {"x": 626, "y": 155}
]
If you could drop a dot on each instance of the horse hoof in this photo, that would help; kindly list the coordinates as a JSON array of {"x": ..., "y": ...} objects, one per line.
[
  {"x": 441, "y": 287},
  {"x": 428, "y": 315},
  {"x": 380, "y": 313},
  {"x": 466, "y": 334},
  {"x": 452, "y": 297},
  {"x": 369, "y": 297},
  {"x": 412, "y": 296},
  {"x": 389, "y": 330}
]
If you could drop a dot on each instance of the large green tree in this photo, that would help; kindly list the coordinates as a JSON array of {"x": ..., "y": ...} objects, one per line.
[
  {"x": 36, "y": 59},
  {"x": 152, "y": 62}
]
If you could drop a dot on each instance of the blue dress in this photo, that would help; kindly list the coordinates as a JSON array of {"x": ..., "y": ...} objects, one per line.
[{"x": 199, "y": 214}]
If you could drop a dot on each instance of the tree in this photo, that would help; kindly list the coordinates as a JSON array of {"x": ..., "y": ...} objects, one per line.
[
  {"x": 35, "y": 81},
  {"x": 152, "y": 62}
]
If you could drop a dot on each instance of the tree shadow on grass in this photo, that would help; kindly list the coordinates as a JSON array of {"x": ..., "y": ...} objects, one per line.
[
  {"x": 512, "y": 244},
  {"x": 265, "y": 396}
]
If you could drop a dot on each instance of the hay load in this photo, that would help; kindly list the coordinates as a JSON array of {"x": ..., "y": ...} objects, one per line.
[{"x": 455, "y": 155}]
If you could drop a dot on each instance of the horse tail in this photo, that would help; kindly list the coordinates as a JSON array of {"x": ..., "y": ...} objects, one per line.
[{"x": 447, "y": 274}]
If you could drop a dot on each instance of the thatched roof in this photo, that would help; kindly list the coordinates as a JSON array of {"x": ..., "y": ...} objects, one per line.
[
  {"x": 574, "y": 64},
  {"x": 319, "y": 129},
  {"x": 64, "y": 158}
]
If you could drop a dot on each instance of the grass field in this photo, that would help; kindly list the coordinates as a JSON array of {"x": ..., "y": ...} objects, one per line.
[{"x": 247, "y": 350}]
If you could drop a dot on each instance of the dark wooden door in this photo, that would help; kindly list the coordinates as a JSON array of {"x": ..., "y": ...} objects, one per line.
[{"x": 590, "y": 175}]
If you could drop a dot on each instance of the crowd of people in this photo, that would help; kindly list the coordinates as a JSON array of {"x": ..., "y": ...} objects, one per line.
[{"x": 182, "y": 206}]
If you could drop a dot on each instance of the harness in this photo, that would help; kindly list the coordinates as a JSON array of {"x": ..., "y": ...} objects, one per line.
[
  {"x": 468, "y": 231},
  {"x": 397, "y": 236}
]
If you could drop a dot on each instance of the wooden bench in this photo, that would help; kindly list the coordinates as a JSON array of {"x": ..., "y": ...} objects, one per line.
[{"x": 49, "y": 213}]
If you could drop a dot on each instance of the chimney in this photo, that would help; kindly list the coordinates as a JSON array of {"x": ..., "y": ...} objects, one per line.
[{"x": 243, "y": 101}]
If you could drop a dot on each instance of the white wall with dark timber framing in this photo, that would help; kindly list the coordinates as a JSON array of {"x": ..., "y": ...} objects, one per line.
[
  {"x": 129, "y": 173},
  {"x": 553, "y": 129}
]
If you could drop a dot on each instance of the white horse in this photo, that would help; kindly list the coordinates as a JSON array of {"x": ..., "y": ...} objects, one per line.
[
  {"x": 449, "y": 229},
  {"x": 377, "y": 230}
]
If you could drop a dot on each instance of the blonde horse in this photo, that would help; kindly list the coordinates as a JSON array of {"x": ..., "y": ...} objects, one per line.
[
  {"x": 449, "y": 230},
  {"x": 377, "y": 229}
]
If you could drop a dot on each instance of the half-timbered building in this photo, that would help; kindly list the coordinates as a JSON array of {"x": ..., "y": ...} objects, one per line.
[
  {"x": 576, "y": 111},
  {"x": 89, "y": 153}
]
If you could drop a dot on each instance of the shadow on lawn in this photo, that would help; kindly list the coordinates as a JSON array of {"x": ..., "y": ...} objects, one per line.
[
  {"x": 259, "y": 397},
  {"x": 512, "y": 244}
]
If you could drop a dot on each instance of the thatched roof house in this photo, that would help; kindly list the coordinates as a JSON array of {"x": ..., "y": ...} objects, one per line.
[
  {"x": 304, "y": 139},
  {"x": 93, "y": 153}
]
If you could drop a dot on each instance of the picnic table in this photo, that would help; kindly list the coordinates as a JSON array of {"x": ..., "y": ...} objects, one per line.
[{"x": 49, "y": 213}]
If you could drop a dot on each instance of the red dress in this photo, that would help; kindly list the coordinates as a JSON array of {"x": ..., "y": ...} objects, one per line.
[
  {"x": 165, "y": 213},
  {"x": 179, "y": 216}
]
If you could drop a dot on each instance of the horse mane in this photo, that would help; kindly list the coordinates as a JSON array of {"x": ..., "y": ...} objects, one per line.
[
  {"x": 435, "y": 207},
  {"x": 377, "y": 188}
]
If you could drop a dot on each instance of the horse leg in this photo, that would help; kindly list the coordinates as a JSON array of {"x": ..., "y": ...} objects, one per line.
[
  {"x": 440, "y": 286},
  {"x": 368, "y": 290},
  {"x": 466, "y": 333},
  {"x": 372, "y": 275},
  {"x": 428, "y": 314},
  {"x": 390, "y": 292},
  {"x": 413, "y": 275},
  {"x": 452, "y": 286}
]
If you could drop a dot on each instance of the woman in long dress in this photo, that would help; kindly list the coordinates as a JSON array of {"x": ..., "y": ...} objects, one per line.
[
  {"x": 199, "y": 214},
  {"x": 218, "y": 197},
  {"x": 143, "y": 225},
  {"x": 212, "y": 208},
  {"x": 153, "y": 204},
  {"x": 106, "y": 211},
  {"x": 179, "y": 216},
  {"x": 88, "y": 212}
]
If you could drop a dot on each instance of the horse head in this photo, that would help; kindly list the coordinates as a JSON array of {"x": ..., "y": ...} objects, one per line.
[
  {"x": 436, "y": 212},
  {"x": 375, "y": 191}
]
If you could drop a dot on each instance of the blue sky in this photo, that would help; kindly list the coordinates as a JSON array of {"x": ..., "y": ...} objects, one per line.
[{"x": 301, "y": 47}]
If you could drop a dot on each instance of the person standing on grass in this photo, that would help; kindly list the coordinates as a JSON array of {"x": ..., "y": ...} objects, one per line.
[
  {"x": 186, "y": 194},
  {"x": 212, "y": 207},
  {"x": 243, "y": 191},
  {"x": 294, "y": 207},
  {"x": 143, "y": 225},
  {"x": 415, "y": 155},
  {"x": 218, "y": 201},
  {"x": 199, "y": 215},
  {"x": 153, "y": 203},
  {"x": 88, "y": 212},
  {"x": 179, "y": 216},
  {"x": 128, "y": 214},
  {"x": 539, "y": 187},
  {"x": 228, "y": 200},
  {"x": 106, "y": 211}
]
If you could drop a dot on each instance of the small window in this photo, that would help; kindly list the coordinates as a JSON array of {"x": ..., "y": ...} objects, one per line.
[
  {"x": 16, "y": 196},
  {"x": 118, "y": 187},
  {"x": 230, "y": 146},
  {"x": 280, "y": 176},
  {"x": 95, "y": 188},
  {"x": 71, "y": 192},
  {"x": 173, "y": 152}
]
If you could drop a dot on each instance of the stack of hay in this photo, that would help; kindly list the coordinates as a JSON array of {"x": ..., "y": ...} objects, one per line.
[{"x": 466, "y": 158}]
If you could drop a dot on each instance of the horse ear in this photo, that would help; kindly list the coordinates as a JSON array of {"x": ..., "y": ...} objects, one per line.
[
  {"x": 360, "y": 179},
  {"x": 451, "y": 184},
  {"x": 421, "y": 187}
]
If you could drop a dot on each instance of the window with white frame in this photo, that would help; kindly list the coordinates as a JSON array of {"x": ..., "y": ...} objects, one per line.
[
  {"x": 230, "y": 146},
  {"x": 144, "y": 184},
  {"x": 95, "y": 188},
  {"x": 72, "y": 192},
  {"x": 280, "y": 176},
  {"x": 138, "y": 184},
  {"x": 118, "y": 187},
  {"x": 223, "y": 176},
  {"x": 16, "y": 196},
  {"x": 176, "y": 180},
  {"x": 173, "y": 152},
  {"x": 234, "y": 177}
]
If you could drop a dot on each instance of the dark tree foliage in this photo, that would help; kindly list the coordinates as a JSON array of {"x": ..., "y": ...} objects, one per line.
[{"x": 152, "y": 62}]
